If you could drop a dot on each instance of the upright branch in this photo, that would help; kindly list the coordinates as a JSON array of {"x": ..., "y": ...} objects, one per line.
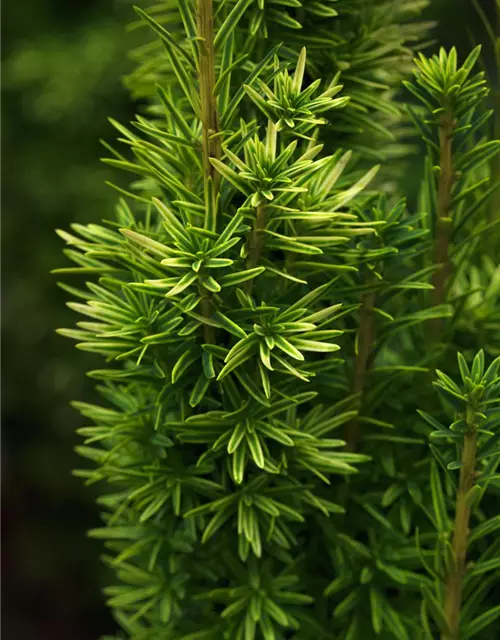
[
  {"x": 365, "y": 344},
  {"x": 352, "y": 430},
  {"x": 443, "y": 217},
  {"x": 211, "y": 141},
  {"x": 388, "y": 262},
  {"x": 457, "y": 567},
  {"x": 470, "y": 403},
  {"x": 450, "y": 97}
]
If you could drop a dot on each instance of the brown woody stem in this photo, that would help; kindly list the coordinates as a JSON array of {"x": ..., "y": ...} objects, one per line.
[
  {"x": 457, "y": 568},
  {"x": 443, "y": 221},
  {"x": 352, "y": 432},
  {"x": 255, "y": 243},
  {"x": 211, "y": 141}
]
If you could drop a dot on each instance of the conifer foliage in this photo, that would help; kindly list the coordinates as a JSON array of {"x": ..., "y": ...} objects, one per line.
[{"x": 273, "y": 459}]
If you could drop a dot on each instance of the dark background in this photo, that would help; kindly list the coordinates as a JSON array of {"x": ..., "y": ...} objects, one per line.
[{"x": 62, "y": 64}]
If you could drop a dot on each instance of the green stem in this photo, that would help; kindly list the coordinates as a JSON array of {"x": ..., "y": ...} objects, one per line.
[
  {"x": 211, "y": 141},
  {"x": 457, "y": 569},
  {"x": 255, "y": 242},
  {"x": 443, "y": 221}
]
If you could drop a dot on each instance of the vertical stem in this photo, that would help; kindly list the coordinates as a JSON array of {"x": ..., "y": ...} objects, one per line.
[
  {"x": 352, "y": 431},
  {"x": 443, "y": 221},
  {"x": 211, "y": 142},
  {"x": 208, "y": 330},
  {"x": 255, "y": 243},
  {"x": 365, "y": 344},
  {"x": 457, "y": 569}
]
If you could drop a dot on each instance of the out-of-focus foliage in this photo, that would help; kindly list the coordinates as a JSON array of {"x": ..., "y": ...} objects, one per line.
[
  {"x": 57, "y": 89},
  {"x": 60, "y": 80}
]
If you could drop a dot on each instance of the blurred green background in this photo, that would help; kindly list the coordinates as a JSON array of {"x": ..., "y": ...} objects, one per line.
[{"x": 61, "y": 78}]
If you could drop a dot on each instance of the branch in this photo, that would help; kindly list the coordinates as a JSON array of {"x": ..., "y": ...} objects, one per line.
[
  {"x": 456, "y": 573},
  {"x": 443, "y": 221},
  {"x": 365, "y": 345},
  {"x": 352, "y": 431},
  {"x": 211, "y": 141}
]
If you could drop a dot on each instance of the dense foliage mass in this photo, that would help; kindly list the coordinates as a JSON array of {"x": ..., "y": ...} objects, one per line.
[{"x": 276, "y": 462}]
